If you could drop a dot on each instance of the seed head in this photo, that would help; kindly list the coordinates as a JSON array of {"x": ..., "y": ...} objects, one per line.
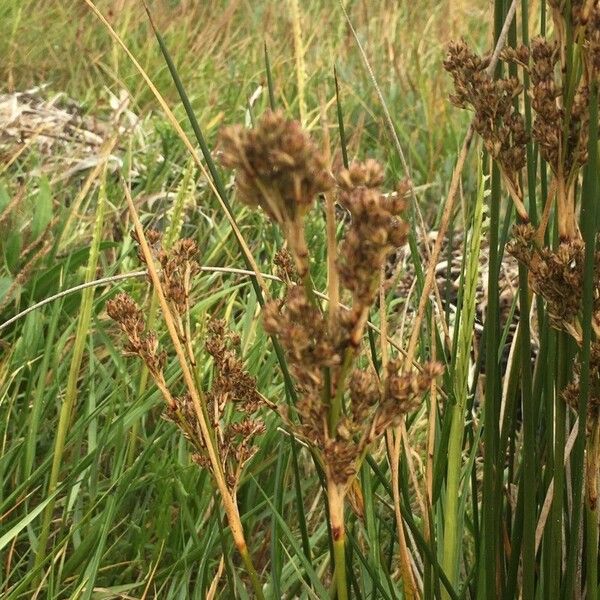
[
  {"x": 375, "y": 229},
  {"x": 278, "y": 166}
]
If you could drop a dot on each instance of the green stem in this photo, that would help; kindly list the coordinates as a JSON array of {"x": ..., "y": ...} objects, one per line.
[
  {"x": 70, "y": 398},
  {"x": 492, "y": 497},
  {"x": 453, "y": 522},
  {"x": 529, "y": 442},
  {"x": 254, "y": 579},
  {"x": 451, "y": 525},
  {"x": 559, "y": 471},
  {"x": 336, "y": 405},
  {"x": 589, "y": 224},
  {"x": 591, "y": 537},
  {"x": 591, "y": 514}
]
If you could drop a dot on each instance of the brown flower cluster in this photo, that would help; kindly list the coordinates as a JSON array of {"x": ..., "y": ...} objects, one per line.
[
  {"x": 591, "y": 44},
  {"x": 561, "y": 112},
  {"x": 285, "y": 268},
  {"x": 279, "y": 168},
  {"x": 341, "y": 408},
  {"x": 571, "y": 397},
  {"x": 565, "y": 156},
  {"x": 234, "y": 431},
  {"x": 231, "y": 385},
  {"x": 555, "y": 274},
  {"x": 140, "y": 342},
  {"x": 496, "y": 119},
  {"x": 571, "y": 392},
  {"x": 372, "y": 410},
  {"x": 375, "y": 230},
  {"x": 316, "y": 362},
  {"x": 301, "y": 328},
  {"x": 178, "y": 267}
]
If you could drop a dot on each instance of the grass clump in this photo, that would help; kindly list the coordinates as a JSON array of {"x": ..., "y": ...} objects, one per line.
[{"x": 347, "y": 427}]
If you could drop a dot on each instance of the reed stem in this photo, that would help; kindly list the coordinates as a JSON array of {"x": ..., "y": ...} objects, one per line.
[{"x": 335, "y": 498}]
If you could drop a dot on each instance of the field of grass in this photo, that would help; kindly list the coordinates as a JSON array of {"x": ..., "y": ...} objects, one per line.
[{"x": 101, "y": 496}]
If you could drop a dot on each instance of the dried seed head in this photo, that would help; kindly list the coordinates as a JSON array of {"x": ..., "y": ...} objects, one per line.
[
  {"x": 592, "y": 43},
  {"x": 125, "y": 311},
  {"x": 340, "y": 460},
  {"x": 367, "y": 174},
  {"x": 555, "y": 274},
  {"x": 496, "y": 119},
  {"x": 302, "y": 330},
  {"x": 278, "y": 166},
  {"x": 571, "y": 392},
  {"x": 153, "y": 237},
  {"x": 406, "y": 390},
  {"x": 546, "y": 93},
  {"x": 232, "y": 382},
  {"x": 374, "y": 231},
  {"x": 522, "y": 244},
  {"x": 285, "y": 268},
  {"x": 364, "y": 394}
]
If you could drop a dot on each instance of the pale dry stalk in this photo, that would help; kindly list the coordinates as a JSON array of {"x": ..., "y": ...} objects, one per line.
[{"x": 229, "y": 504}]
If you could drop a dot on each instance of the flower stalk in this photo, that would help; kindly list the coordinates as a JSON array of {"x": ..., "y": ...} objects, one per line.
[
  {"x": 190, "y": 412},
  {"x": 342, "y": 408}
]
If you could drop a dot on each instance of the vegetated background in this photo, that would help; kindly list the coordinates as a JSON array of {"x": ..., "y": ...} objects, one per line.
[{"x": 133, "y": 516}]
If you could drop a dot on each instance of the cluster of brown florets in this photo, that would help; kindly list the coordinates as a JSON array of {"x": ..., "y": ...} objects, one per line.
[
  {"x": 592, "y": 43},
  {"x": 278, "y": 168},
  {"x": 496, "y": 119},
  {"x": 232, "y": 385},
  {"x": 571, "y": 395},
  {"x": 373, "y": 408},
  {"x": 307, "y": 340},
  {"x": 560, "y": 130},
  {"x": 565, "y": 155},
  {"x": 139, "y": 341},
  {"x": 315, "y": 360},
  {"x": 234, "y": 432},
  {"x": 571, "y": 392},
  {"x": 285, "y": 268},
  {"x": 556, "y": 274},
  {"x": 178, "y": 267},
  {"x": 321, "y": 352},
  {"x": 376, "y": 228}
]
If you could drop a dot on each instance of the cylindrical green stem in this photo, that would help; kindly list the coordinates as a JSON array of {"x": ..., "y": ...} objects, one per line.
[
  {"x": 453, "y": 516},
  {"x": 336, "y": 405},
  {"x": 254, "y": 579},
  {"x": 591, "y": 512},
  {"x": 451, "y": 526},
  {"x": 529, "y": 443},
  {"x": 591, "y": 539},
  {"x": 556, "y": 513},
  {"x": 70, "y": 398}
]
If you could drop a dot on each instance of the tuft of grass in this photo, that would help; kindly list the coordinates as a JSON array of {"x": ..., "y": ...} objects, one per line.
[{"x": 488, "y": 489}]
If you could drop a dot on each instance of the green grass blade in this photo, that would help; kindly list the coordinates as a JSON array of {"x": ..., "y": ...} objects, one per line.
[
  {"x": 270, "y": 84},
  {"x": 589, "y": 227},
  {"x": 71, "y": 392}
]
